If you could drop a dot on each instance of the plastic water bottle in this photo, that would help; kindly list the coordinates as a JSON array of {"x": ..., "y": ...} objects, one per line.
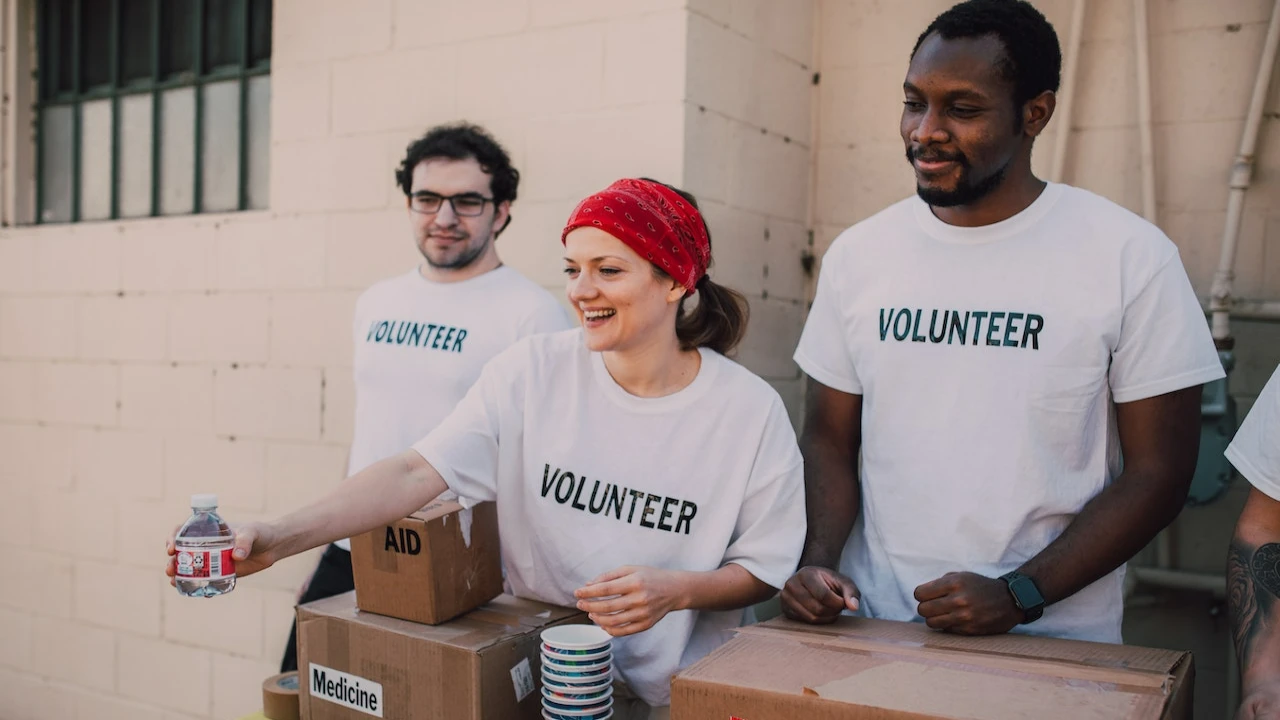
[{"x": 204, "y": 544}]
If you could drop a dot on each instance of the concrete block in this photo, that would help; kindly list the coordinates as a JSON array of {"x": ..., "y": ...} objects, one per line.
[
  {"x": 221, "y": 328},
  {"x": 38, "y": 327},
  {"x": 787, "y": 28},
  {"x": 124, "y": 328},
  {"x": 1103, "y": 161},
  {"x": 79, "y": 258},
  {"x": 339, "y": 406},
  {"x": 239, "y": 684},
  {"x": 419, "y": 23},
  {"x": 708, "y": 154},
  {"x": 77, "y": 525},
  {"x": 533, "y": 247},
  {"x": 312, "y": 329},
  {"x": 662, "y": 75},
  {"x": 237, "y": 617},
  {"x": 1178, "y": 15},
  {"x": 856, "y": 183},
  {"x": 120, "y": 597},
  {"x": 781, "y": 98},
  {"x": 770, "y": 175},
  {"x": 1193, "y": 161},
  {"x": 77, "y": 393},
  {"x": 75, "y": 653},
  {"x": 1199, "y": 235},
  {"x": 166, "y": 398},
  {"x": 17, "y": 262},
  {"x": 37, "y": 458},
  {"x": 1103, "y": 21},
  {"x": 857, "y": 34},
  {"x": 36, "y": 582},
  {"x": 719, "y": 12},
  {"x": 287, "y": 576},
  {"x": 737, "y": 247},
  {"x": 1204, "y": 75},
  {"x": 16, "y": 629},
  {"x": 363, "y": 248},
  {"x": 284, "y": 253},
  {"x": 718, "y": 68},
  {"x": 331, "y": 174},
  {"x": 1106, "y": 86},
  {"x": 548, "y": 13},
  {"x": 861, "y": 105},
  {"x": 18, "y": 391},
  {"x": 272, "y": 403},
  {"x": 538, "y": 73},
  {"x": 17, "y": 521},
  {"x": 29, "y": 697},
  {"x": 301, "y": 474},
  {"x": 394, "y": 91},
  {"x": 310, "y": 30},
  {"x": 279, "y": 613},
  {"x": 784, "y": 276},
  {"x": 141, "y": 528},
  {"x": 300, "y": 100},
  {"x": 653, "y": 149},
  {"x": 113, "y": 463},
  {"x": 771, "y": 338},
  {"x": 234, "y": 469},
  {"x": 167, "y": 255},
  {"x": 164, "y": 674},
  {"x": 96, "y": 706}
]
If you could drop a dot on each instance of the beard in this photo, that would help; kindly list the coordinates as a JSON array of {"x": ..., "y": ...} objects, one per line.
[
  {"x": 966, "y": 192},
  {"x": 466, "y": 257}
]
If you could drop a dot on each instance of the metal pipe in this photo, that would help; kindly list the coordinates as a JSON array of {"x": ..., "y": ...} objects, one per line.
[
  {"x": 1067, "y": 93},
  {"x": 1181, "y": 580},
  {"x": 1145, "y": 142},
  {"x": 1241, "y": 177}
]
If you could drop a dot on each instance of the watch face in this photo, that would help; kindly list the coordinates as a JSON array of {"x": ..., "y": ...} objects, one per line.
[{"x": 1025, "y": 592}]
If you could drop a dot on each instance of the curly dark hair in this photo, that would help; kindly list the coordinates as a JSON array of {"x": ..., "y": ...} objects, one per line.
[
  {"x": 461, "y": 141},
  {"x": 1033, "y": 58}
]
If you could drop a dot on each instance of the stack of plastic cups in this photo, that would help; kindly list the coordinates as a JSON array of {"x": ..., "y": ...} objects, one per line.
[{"x": 577, "y": 673}]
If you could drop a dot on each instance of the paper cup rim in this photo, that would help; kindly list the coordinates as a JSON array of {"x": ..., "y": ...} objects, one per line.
[{"x": 576, "y": 637}]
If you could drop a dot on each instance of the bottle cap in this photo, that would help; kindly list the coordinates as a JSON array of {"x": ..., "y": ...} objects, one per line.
[{"x": 204, "y": 500}]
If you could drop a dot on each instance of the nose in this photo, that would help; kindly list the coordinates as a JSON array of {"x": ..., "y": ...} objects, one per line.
[
  {"x": 929, "y": 128},
  {"x": 445, "y": 216},
  {"x": 580, "y": 289}
]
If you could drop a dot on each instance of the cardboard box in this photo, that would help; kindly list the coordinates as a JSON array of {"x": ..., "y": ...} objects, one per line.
[
  {"x": 482, "y": 666},
  {"x": 875, "y": 669},
  {"x": 432, "y": 566}
]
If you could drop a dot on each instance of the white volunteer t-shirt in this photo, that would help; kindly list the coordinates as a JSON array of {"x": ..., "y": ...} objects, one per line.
[
  {"x": 589, "y": 478},
  {"x": 1255, "y": 450},
  {"x": 988, "y": 359},
  {"x": 420, "y": 345}
]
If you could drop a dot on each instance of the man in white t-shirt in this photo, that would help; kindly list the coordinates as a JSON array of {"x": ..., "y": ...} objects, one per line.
[
  {"x": 992, "y": 347},
  {"x": 421, "y": 338},
  {"x": 1253, "y": 564}
]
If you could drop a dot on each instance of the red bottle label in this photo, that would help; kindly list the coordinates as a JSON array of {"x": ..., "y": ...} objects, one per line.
[{"x": 205, "y": 564}]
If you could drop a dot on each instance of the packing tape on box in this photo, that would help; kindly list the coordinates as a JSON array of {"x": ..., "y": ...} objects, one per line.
[{"x": 280, "y": 697}]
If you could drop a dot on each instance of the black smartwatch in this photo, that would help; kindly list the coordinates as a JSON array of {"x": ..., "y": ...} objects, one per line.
[{"x": 1025, "y": 595}]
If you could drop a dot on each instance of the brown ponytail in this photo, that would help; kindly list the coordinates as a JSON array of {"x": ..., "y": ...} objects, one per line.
[{"x": 719, "y": 320}]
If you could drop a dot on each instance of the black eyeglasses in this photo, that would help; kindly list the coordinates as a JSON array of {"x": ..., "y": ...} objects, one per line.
[{"x": 464, "y": 204}]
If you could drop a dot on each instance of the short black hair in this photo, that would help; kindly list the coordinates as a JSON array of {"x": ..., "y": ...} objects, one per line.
[
  {"x": 462, "y": 141},
  {"x": 1033, "y": 58}
]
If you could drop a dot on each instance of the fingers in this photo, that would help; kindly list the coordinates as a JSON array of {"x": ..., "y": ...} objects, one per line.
[
  {"x": 936, "y": 588},
  {"x": 623, "y": 623},
  {"x": 613, "y": 574},
  {"x": 823, "y": 588},
  {"x": 809, "y": 597},
  {"x": 849, "y": 592},
  {"x": 805, "y": 608},
  {"x": 612, "y": 605},
  {"x": 169, "y": 546},
  {"x": 602, "y": 588},
  {"x": 947, "y": 621},
  {"x": 938, "y": 607},
  {"x": 244, "y": 543}
]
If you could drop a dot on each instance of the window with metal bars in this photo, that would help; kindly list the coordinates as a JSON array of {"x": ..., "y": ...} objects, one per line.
[{"x": 152, "y": 107}]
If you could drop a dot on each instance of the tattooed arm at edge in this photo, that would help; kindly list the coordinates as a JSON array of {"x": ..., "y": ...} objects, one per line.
[{"x": 1253, "y": 599}]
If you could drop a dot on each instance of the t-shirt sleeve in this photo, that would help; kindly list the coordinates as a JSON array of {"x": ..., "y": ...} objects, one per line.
[
  {"x": 769, "y": 534},
  {"x": 549, "y": 316},
  {"x": 1255, "y": 451},
  {"x": 1164, "y": 342},
  {"x": 823, "y": 352},
  {"x": 464, "y": 448}
]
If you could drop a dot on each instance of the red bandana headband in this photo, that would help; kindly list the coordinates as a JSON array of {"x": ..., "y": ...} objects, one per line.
[{"x": 653, "y": 220}]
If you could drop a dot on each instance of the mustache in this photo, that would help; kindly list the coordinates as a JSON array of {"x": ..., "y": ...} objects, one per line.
[{"x": 915, "y": 153}]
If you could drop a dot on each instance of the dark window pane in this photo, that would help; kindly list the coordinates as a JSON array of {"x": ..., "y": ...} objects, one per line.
[
  {"x": 60, "y": 31},
  {"x": 259, "y": 31},
  {"x": 135, "y": 40},
  {"x": 95, "y": 43},
  {"x": 177, "y": 37},
  {"x": 221, "y": 36}
]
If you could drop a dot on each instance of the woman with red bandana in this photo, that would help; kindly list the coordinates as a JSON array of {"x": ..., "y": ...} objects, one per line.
[{"x": 642, "y": 476}]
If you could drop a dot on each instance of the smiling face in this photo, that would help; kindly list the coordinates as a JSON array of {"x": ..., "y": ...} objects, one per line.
[
  {"x": 621, "y": 302},
  {"x": 960, "y": 125},
  {"x": 447, "y": 241}
]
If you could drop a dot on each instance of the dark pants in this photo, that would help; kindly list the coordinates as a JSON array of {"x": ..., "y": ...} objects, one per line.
[{"x": 332, "y": 577}]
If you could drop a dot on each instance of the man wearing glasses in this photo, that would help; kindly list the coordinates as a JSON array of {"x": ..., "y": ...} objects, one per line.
[{"x": 422, "y": 337}]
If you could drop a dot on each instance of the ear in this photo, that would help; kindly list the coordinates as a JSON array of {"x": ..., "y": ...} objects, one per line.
[
  {"x": 501, "y": 217},
  {"x": 676, "y": 292},
  {"x": 1037, "y": 112}
]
